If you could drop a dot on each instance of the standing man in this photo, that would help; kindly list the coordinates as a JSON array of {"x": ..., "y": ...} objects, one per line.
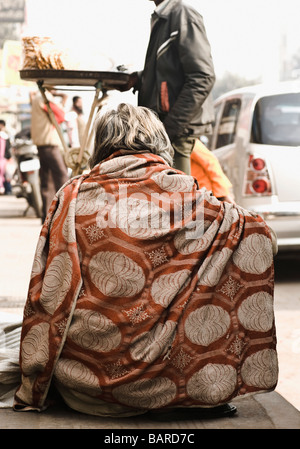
[
  {"x": 53, "y": 171},
  {"x": 178, "y": 76}
]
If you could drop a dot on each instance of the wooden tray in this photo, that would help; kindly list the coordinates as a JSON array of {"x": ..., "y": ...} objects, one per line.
[{"x": 51, "y": 77}]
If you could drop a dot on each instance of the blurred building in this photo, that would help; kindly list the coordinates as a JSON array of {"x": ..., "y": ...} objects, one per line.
[
  {"x": 12, "y": 18},
  {"x": 14, "y": 93}
]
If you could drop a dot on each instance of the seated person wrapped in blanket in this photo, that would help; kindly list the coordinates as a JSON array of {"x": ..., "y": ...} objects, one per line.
[{"x": 147, "y": 293}]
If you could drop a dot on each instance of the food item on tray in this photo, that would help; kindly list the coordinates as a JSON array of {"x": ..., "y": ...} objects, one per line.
[{"x": 41, "y": 53}]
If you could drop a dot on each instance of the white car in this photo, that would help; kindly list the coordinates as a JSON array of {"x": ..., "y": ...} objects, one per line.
[{"x": 257, "y": 141}]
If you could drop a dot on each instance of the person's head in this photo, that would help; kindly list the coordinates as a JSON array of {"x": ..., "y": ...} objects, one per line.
[
  {"x": 77, "y": 104},
  {"x": 134, "y": 128},
  {"x": 2, "y": 124}
]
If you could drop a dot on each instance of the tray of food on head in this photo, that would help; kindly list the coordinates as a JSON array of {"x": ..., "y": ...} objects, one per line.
[{"x": 44, "y": 62}]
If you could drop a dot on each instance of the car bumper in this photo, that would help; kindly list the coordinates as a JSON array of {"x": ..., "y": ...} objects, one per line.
[
  {"x": 286, "y": 226},
  {"x": 282, "y": 217}
]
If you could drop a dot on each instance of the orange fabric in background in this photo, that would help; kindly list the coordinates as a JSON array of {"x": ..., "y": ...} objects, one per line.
[
  {"x": 206, "y": 168},
  {"x": 57, "y": 111}
]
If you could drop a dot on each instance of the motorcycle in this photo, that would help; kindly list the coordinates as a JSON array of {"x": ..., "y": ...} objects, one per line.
[{"x": 26, "y": 180}]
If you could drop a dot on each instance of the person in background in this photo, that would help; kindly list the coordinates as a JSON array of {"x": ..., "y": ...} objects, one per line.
[
  {"x": 178, "y": 77},
  {"x": 53, "y": 170},
  {"x": 206, "y": 168},
  {"x": 5, "y": 155},
  {"x": 75, "y": 123},
  {"x": 146, "y": 293}
]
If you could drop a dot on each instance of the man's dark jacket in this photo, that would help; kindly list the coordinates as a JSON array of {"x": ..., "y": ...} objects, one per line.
[{"x": 178, "y": 74}]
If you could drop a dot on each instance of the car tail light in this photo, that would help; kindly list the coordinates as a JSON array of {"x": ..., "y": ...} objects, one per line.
[
  {"x": 258, "y": 163},
  {"x": 260, "y": 185},
  {"x": 257, "y": 180}
]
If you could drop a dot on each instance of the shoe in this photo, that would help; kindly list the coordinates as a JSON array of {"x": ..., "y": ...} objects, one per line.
[
  {"x": 216, "y": 412},
  {"x": 221, "y": 411}
]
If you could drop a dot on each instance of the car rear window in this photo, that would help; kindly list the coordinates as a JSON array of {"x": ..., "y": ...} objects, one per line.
[
  {"x": 276, "y": 120},
  {"x": 228, "y": 122}
]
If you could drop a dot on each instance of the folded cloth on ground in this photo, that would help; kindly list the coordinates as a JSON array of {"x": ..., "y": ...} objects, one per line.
[{"x": 10, "y": 374}]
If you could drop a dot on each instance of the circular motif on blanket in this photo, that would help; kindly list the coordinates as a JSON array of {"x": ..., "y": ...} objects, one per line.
[
  {"x": 115, "y": 274},
  {"x": 123, "y": 166},
  {"x": 212, "y": 384},
  {"x": 35, "y": 348},
  {"x": 261, "y": 369},
  {"x": 146, "y": 393},
  {"x": 173, "y": 182},
  {"x": 213, "y": 266},
  {"x": 254, "y": 254},
  {"x": 194, "y": 237},
  {"x": 94, "y": 331},
  {"x": 166, "y": 287},
  {"x": 151, "y": 345},
  {"x": 57, "y": 282},
  {"x": 206, "y": 324},
  {"x": 77, "y": 376},
  {"x": 91, "y": 198},
  {"x": 68, "y": 229},
  {"x": 40, "y": 258},
  {"x": 256, "y": 312},
  {"x": 140, "y": 218}
]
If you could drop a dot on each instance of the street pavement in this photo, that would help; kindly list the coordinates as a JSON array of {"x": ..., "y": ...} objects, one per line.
[{"x": 280, "y": 409}]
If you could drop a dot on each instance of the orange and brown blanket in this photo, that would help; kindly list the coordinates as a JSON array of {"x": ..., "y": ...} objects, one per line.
[{"x": 148, "y": 292}]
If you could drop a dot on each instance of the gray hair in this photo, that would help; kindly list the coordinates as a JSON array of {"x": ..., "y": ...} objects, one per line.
[{"x": 129, "y": 127}]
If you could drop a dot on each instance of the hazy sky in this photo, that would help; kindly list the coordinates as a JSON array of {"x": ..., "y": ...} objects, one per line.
[{"x": 245, "y": 35}]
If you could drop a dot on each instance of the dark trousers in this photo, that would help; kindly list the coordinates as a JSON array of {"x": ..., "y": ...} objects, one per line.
[
  {"x": 53, "y": 174},
  {"x": 183, "y": 147}
]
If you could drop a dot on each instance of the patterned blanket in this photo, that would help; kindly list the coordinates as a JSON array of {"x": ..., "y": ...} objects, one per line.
[{"x": 148, "y": 292}]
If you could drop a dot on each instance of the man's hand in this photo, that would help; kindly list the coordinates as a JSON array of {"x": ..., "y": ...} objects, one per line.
[
  {"x": 133, "y": 79},
  {"x": 63, "y": 96}
]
